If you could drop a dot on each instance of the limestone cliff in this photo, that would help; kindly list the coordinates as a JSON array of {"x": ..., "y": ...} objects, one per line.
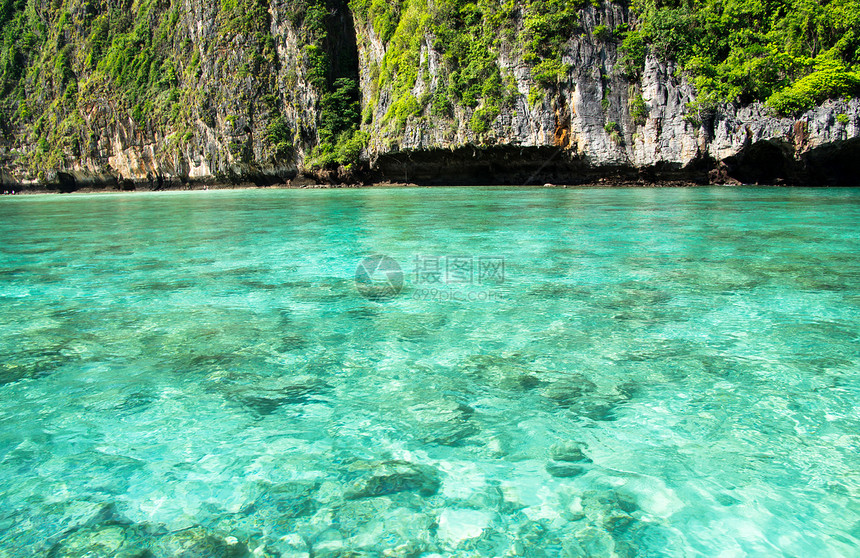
[
  {"x": 595, "y": 129},
  {"x": 240, "y": 87}
]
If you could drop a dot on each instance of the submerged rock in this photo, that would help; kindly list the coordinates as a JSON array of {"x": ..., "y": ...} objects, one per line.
[
  {"x": 266, "y": 395},
  {"x": 569, "y": 451},
  {"x": 389, "y": 477},
  {"x": 108, "y": 540},
  {"x": 443, "y": 422},
  {"x": 32, "y": 365},
  {"x": 600, "y": 505},
  {"x": 390, "y": 531},
  {"x": 291, "y": 546},
  {"x": 564, "y": 470},
  {"x": 196, "y": 542},
  {"x": 592, "y": 541},
  {"x": 603, "y": 409},
  {"x": 354, "y": 514},
  {"x": 568, "y": 390},
  {"x": 330, "y": 544},
  {"x": 287, "y": 500},
  {"x": 507, "y": 372},
  {"x": 292, "y": 342},
  {"x": 91, "y": 542},
  {"x": 456, "y": 526}
]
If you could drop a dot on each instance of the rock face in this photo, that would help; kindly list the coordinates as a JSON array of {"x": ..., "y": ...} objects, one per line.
[{"x": 234, "y": 83}]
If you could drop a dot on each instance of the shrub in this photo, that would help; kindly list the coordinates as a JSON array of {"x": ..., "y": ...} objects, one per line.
[
  {"x": 550, "y": 72},
  {"x": 279, "y": 137},
  {"x": 483, "y": 118},
  {"x": 614, "y": 132},
  {"x": 603, "y": 33},
  {"x": 402, "y": 109},
  {"x": 638, "y": 109},
  {"x": 830, "y": 79},
  {"x": 350, "y": 145},
  {"x": 748, "y": 50},
  {"x": 634, "y": 50},
  {"x": 340, "y": 108},
  {"x": 441, "y": 104}
]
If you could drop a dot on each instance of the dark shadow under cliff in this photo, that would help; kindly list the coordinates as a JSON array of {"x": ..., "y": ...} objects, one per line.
[
  {"x": 513, "y": 165},
  {"x": 774, "y": 162},
  {"x": 835, "y": 164}
]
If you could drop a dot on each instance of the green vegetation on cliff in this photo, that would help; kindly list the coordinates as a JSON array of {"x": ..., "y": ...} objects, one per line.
[
  {"x": 335, "y": 77},
  {"x": 71, "y": 68},
  {"x": 793, "y": 54},
  {"x": 470, "y": 38}
]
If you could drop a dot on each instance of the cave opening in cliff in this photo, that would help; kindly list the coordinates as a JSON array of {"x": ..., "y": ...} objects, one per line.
[
  {"x": 765, "y": 162},
  {"x": 836, "y": 164}
]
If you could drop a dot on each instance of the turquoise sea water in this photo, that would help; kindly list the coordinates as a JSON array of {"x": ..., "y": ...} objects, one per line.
[{"x": 668, "y": 372}]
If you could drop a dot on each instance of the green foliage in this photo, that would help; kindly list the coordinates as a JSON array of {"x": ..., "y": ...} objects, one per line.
[
  {"x": 279, "y": 136},
  {"x": 829, "y": 79},
  {"x": 638, "y": 109},
  {"x": 614, "y": 132},
  {"x": 469, "y": 35},
  {"x": 792, "y": 53},
  {"x": 382, "y": 14},
  {"x": 340, "y": 109},
  {"x": 441, "y": 104},
  {"x": 548, "y": 24},
  {"x": 482, "y": 119},
  {"x": 466, "y": 36},
  {"x": 550, "y": 72},
  {"x": 401, "y": 109},
  {"x": 61, "y": 58},
  {"x": 842, "y": 118},
  {"x": 339, "y": 114},
  {"x": 350, "y": 146},
  {"x": 236, "y": 149},
  {"x": 14, "y": 26},
  {"x": 634, "y": 50},
  {"x": 345, "y": 150},
  {"x": 603, "y": 33}
]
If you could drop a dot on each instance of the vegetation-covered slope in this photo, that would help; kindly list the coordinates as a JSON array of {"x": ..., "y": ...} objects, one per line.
[
  {"x": 471, "y": 37},
  {"x": 73, "y": 70},
  {"x": 793, "y": 54}
]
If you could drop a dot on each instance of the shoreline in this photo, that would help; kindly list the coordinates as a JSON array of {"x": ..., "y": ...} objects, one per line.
[{"x": 609, "y": 184}]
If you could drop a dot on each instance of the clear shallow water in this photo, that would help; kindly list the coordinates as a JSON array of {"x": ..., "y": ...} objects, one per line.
[{"x": 660, "y": 372}]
